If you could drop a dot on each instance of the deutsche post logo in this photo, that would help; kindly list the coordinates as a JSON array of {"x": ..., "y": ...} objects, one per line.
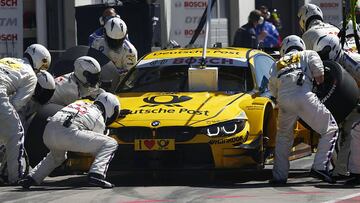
[{"x": 173, "y": 101}]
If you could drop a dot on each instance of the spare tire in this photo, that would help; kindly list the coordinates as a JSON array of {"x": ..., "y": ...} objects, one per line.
[
  {"x": 339, "y": 92},
  {"x": 34, "y": 144},
  {"x": 65, "y": 64}
]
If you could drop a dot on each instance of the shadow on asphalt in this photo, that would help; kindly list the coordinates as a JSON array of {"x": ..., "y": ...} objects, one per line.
[{"x": 209, "y": 179}]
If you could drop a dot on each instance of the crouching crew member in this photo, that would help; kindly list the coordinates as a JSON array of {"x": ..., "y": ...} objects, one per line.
[
  {"x": 291, "y": 84},
  {"x": 79, "y": 127}
]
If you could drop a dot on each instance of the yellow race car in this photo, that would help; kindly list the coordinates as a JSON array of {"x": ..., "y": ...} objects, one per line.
[
  {"x": 180, "y": 111},
  {"x": 169, "y": 124}
]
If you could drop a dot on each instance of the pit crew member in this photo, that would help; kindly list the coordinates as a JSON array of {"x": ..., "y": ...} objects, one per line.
[
  {"x": 291, "y": 84},
  {"x": 311, "y": 23},
  {"x": 18, "y": 82},
  {"x": 329, "y": 48},
  {"x": 115, "y": 46},
  {"x": 98, "y": 33},
  {"x": 79, "y": 127},
  {"x": 81, "y": 83}
]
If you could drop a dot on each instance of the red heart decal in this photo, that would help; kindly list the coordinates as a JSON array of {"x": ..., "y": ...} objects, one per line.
[{"x": 149, "y": 143}]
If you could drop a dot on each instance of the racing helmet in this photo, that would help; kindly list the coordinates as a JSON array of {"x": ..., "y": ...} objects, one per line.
[
  {"x": 87, "y": 71},
  {"x": 39, "y": 57},
  {"x": 111, "y": 106},
  {"x": 115, "y": 32},
  {"x": 45, "y": 87},
  {"x": 328, "y": 47},
  {"x": 291, "y": 42},
  {"x": 308, "y": 13}
]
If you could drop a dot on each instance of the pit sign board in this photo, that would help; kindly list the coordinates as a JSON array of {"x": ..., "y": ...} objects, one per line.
[
  {"x": 332, "y": 10},
  {"x": 11, "y": 28},
  {"x": 185, "y": 17}
]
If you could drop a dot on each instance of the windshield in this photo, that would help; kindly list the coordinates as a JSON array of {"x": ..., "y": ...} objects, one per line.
[{"x": 174, "y": 78}]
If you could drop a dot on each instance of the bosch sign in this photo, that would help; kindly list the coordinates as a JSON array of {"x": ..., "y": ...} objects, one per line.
[
  {"x": 8, "y": 37},
  {"x": 9, "y": 3},
  {"x": 195, "y": 4}
]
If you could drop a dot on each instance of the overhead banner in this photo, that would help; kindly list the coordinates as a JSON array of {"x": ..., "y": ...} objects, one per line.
[
  {"x": 185, "y": 17},
  {"x": 332, "y": 10},
  {"x": 11, "y": 28}
]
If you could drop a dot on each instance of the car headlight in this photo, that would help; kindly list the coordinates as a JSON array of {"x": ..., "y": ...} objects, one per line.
[{"x": 224, "y": 129}]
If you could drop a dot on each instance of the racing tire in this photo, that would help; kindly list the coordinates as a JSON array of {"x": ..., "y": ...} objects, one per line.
[
  {"x": 65, "y": 64},
  {"x": 339, "y": 92},
  {"x": 34, "y": 145}
]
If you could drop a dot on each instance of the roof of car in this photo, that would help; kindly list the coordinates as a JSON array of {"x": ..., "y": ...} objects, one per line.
[
  {"x": 230, "y": 52},
  {"x": 183, "y": 56}
]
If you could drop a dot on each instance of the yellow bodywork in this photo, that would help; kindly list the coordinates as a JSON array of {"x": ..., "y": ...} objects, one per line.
[{"x": 201, "y": 109}]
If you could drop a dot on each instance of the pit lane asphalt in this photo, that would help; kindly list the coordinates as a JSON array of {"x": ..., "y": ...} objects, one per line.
[{"x": 197, "y": 187}]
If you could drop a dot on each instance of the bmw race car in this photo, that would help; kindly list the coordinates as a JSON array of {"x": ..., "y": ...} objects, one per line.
[
  {"x": 180, "y": 111},
  {"x": 170, "y": 123}
]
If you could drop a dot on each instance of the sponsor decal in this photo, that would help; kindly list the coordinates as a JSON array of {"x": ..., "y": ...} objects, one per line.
[
  {"x": 170, "y": 111},
  {"x": 199, "y": 51},
  {"x": 9, "y": 3},
  {"x": 159, "y": 100},
  {"x": 154, "y": 144},
  {"x": 254, "y": 108},
  {"x": 192, "y": 19},
  {"x": 198, "y": 61},
  {"x": 8, "y": 21},
  {"x": 329, "y": 5},
  {"x": 190, "y": 32},
  {"x": 195, "y": 4},
  {"x": 227, "y": 140},
  {"x": 8, "y": 37}
]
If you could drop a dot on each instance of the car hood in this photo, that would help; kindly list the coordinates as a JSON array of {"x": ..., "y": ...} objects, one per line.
[{"x": 180, "y": 109}]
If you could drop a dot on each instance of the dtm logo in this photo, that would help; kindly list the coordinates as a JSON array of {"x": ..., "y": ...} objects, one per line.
[{"x": 167, "y": 100}]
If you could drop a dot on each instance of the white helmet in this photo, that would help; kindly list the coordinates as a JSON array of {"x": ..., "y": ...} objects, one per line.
[
  {"x": 291, "y": 42},
  {"x": 40, "y": 57},
  {"x": 115, "y": 32},
  {"x": 328, "y": 47},
  {"x": 87, "y": 71},
  {"x": 307, "y": 13},
  {"x": 110, "y": 104},
  {"x": 45, "y": 87},
  {"x": 349, "y": 29}
]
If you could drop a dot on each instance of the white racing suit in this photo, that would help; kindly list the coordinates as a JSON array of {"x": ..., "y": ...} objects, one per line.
[
  {"x": 18, "y": 82},
  {"x": 350, "y": 61},
  {"x": 84, "y": 133},
  {"x": 68, "y": 89},
  {"x": 354, "y": 160},
  {"x": 298, "y": 101},
  {"x": 316, "y": 30},
  {"x": 124, "y": 58}
]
